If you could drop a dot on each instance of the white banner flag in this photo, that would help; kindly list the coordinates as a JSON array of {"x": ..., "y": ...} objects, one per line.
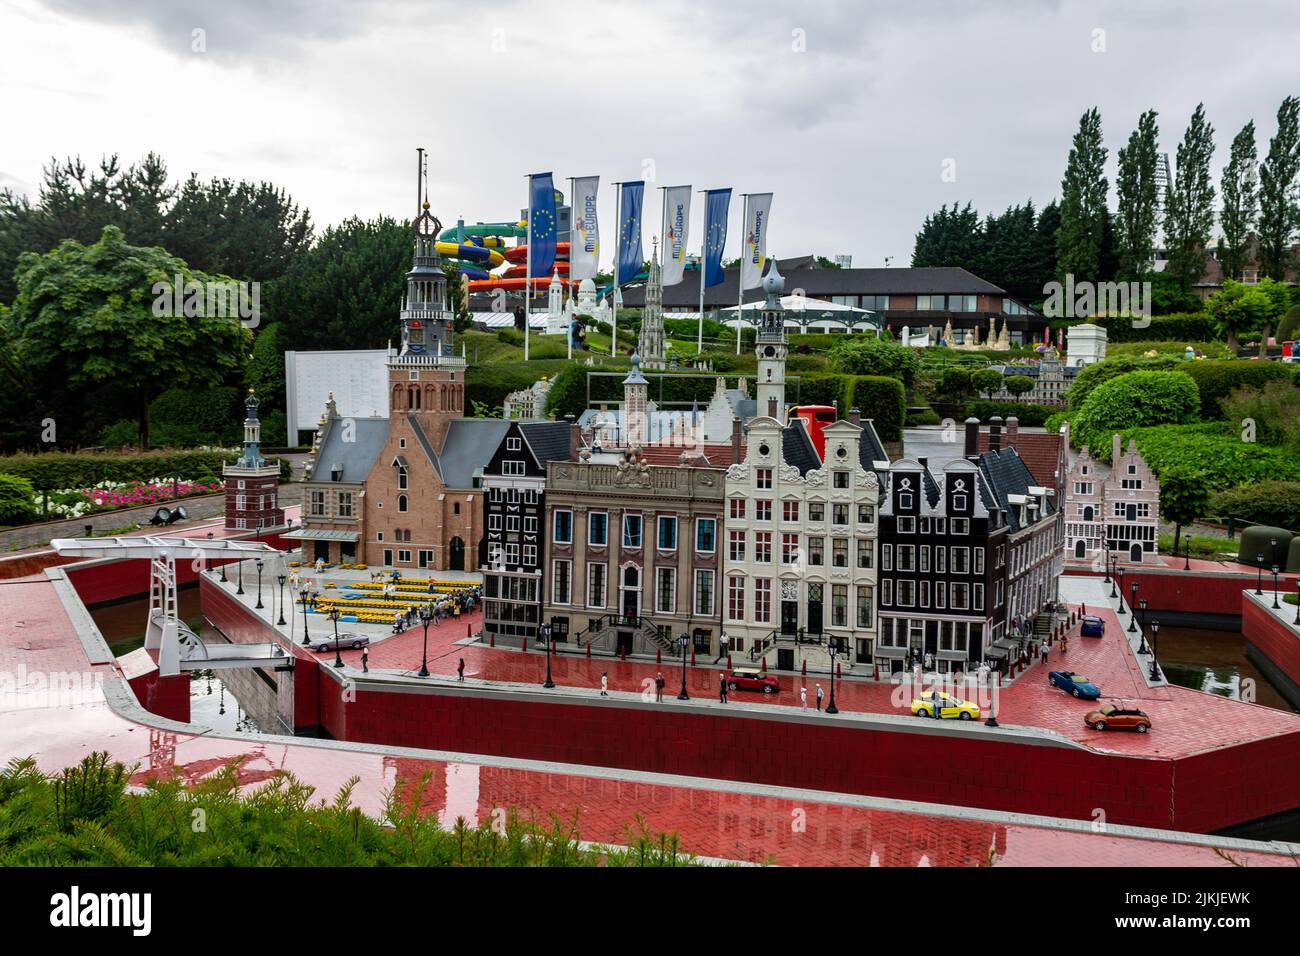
[
  {"x": 677, "y": 220},
  {"x": 754, "y": 250},
  {"x": 584, "y": 238}
]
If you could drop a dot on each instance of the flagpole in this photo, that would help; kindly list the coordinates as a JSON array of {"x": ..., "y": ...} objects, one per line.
[
  {"x": 528, "y": 266},
  {"x": 618, "y": 242},
  {"x": 704, "y": 251},
  {"x": 740, "y": 271},
  {"x": 568, "y": 321}
]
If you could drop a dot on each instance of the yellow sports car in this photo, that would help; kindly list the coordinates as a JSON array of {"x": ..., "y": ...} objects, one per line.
[{"x": 949, "y": 706}]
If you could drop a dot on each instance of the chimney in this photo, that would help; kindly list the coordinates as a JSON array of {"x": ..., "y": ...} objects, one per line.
[
  {"x": 995, "y": 433},
  {"x": 923, "y": 462},
  {"x": 1116, "y": 450},
  {"x": 1013, "y": 430},
  {"x": 735, "y": 440},
  {"x": 855, "y": 417},
  {"x": 575, "y": 437},
  {"x": 972, "y": 437}
]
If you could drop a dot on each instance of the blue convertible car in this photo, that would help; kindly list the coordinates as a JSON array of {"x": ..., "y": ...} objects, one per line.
[
  {"x": 1092, "y": 626},
  {"x": 1075, "y": 684}
]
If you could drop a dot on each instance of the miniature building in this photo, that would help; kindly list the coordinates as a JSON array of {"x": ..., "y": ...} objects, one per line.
[
  {"x": 651, "y": 342},
  {"x": 252, "y": 483},
  {"x": 1084, "y": 345},
  {"x": 1118, "y": 512},
  {"x": 1051, "y": 379},
  {"x": 527, "y": 404}
]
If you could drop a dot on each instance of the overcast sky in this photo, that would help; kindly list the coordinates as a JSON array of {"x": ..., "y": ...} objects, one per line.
[{"x": 849, "y": 112}]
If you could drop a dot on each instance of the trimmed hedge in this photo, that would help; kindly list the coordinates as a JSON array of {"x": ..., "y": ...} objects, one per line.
[
  {"x": 1217, "y": 379},
  {"x": 1091, "y": 376},
  {"x": 1027, "y": 414},
  {"x": 15, "y": 499},
  {"x": 1195, "y": 326},
  {"x": 1133, "y": 400},
  {"x": 881, "y": 399},
  {"x": 1275, "y": 503},
  {"x": 53, "y": 470},
  {"x": 1223, "y": 457}
]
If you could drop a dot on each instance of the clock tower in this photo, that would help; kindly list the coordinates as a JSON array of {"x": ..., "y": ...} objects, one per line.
[{"x": 771, "y": 349}]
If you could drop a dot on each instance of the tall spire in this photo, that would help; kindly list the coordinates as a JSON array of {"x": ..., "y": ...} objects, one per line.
[
  {"x": 252, "y": 457},
  {"x": 651, "y": 343},
  {"x": 770, "y": 347},
  {"x": 426, "y": 316}
]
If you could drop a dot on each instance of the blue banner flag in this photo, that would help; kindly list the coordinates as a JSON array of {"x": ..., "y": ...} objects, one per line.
[
  {"x": 715, "y": 235},
  {"x": 630, "y": 257},
  {"x": 541, "y": 223}
]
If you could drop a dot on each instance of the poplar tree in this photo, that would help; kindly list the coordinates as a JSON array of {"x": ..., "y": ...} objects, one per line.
[
  {"x": 1135, "y": 186},
  {"x": 1278, "y": 215},
  {"x": 1083, "y": 203},
  {"x": 1240, "y": 203},
  {"x": 1189, "y": 205}
]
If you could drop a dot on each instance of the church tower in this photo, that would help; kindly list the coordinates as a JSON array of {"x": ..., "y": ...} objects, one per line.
[
  {"x": 252, "y": 483},
  {"x": 771, "y": 349},
  {"x": 426, "y": 378},
  {"x": 636, "y": 394},
  {"x": 651, "y": 344}
]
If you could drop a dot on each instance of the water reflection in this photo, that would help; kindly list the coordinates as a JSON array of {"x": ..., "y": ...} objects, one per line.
[{"x": 1215, "y": 662}]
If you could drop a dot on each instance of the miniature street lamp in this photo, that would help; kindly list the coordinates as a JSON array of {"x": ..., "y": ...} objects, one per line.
[
  {"x": 1276, "y": 606},
  {"x": 1155, "y": 633},
  {"x": 1106, "y": 579},
  {"x": 831, "y": 708},
  {"x": 1132, "y": 603},
  {"x": 338, "y": 648},
  {"x": 1259, "y": 575},
  {"x": 207, "y": 559},
  {"x": 1142, "y": 636},
  {"x": 681, "y": 643},
  {"x": 426, "y": 616},
  {"x": 544, "y": 633},
  {"x": 1119, "y": 573},
  {"x": 1187, "y": 553},
  {"x": 259, "y": 605},
  {"x": 240, "y": 589},
  {"x": 302, "y": 596},
  {"x": 281, "y": 579}
]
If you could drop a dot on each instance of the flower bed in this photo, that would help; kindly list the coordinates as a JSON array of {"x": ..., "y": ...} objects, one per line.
[{"x": 115, "y": 495}]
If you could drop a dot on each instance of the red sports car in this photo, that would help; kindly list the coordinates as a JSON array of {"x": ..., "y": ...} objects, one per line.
[
  {"x": 1118, "y": 717},
  {"x": 751, "y": 678}
]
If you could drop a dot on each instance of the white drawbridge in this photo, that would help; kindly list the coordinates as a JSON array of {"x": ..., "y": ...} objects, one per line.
[{"x": 178, "y": 647}]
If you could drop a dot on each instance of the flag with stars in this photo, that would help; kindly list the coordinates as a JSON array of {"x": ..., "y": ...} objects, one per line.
[
  {"x": 677, "y": 218},
  {"x": 630, "y": 256},
  {"x": 753, "y": 254},
  {"x": 715, "y": 234},
  {"x": 541, "y": 221}
]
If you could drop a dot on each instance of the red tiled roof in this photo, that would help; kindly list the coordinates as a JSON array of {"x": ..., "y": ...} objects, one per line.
[{"x": 670, "y": 453}]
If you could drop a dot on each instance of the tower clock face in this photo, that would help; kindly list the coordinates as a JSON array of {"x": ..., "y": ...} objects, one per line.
[{"x": 769, "y": 352}]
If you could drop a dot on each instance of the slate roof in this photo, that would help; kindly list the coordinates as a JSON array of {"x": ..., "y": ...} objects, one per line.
[
  {"x": 870, "y": 448},
  {"x": 1007, "y": 474},
  {"x": 548, "y": 441},
  {"x": 356, "y": 456},
  {"x": 797, "y": 447},
  {"x": 470, "y": 445}
]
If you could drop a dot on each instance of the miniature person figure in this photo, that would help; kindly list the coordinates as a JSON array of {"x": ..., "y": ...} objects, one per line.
[
  {"x": 659, "y": 687},
  {"x": 604, "y": 683},
  {"x": 460, "y": 669},
  {"x": 803, "y": 697},
  {"x": 819, "y": 696},
  {"x": 722, "y": 648},
  {"x": 722, "y": 687},
  {"x": 365, "y": 660}
]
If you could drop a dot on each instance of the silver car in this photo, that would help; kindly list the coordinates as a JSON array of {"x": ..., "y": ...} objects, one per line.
[{"x": 346, "y": 642}]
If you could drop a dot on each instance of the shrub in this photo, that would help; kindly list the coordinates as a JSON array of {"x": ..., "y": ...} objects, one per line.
[
  {"x": 1027, "y": 414},
  {"x": 1216, "y": 380},
  {"x": 1019, "y": 385},
  {"x": 49, "y": 471},
  {"x": 881, "y": 399},
  {"x": 986, "y": 381},
  {"x": 1134, "y": 400},
  {"x": 923, "y": 416},
  {"x": 826, "y": 389},
  {"x": 1290, "y": 324},
  {"x": 1055, "y": 421},
  {"x": 1094, "y": 375},
  {"x": 1222, "y": 456},
  {"x": 1163, "y": 328},
  {"x": 955, "y": 383},
  {"x": 16, "y": 496},
  {"x": 1274, "y": 503},
  {"x": 862, "y": 355}
]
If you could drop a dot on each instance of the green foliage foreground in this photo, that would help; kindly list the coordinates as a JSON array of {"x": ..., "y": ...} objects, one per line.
[{"x": 85, "y": 816}]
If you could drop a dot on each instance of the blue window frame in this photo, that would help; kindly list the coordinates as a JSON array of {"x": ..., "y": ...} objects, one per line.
[
  {"x": 563, "y": 527},
  {"x": 598, "y": 528},
  {"x": 667, "y": 533},
  {"x": 706, "y": 534}
]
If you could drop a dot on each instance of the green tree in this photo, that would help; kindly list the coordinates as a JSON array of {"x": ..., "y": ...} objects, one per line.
[
  {"x": 85, "y": 316},
  {"x": 17, "y": 502},
  {"x": 1241, "y": 308},
  {"x": 1184, "y": 497},
  {"x": 955, "y": 383},
  {"x": 859, "y": 355},
  {"x": 1138, "y": 196},
  {"x": 1019, "y": 385},
  {"x": 568, "y": 394},
  {"x": 264, "y": 372},
  {"x": 1083, "y": 203},
  {"x": 1134, "y": 400},
  {"x": 987, "y": 380},
  {"x": 345, "y": 292},
  {"x": 949, "y": 237},
  {"x": 1278, "y": 213},
  {"x": 1043, "y": 250},
  {"x": 1240, "y": 203},
  {"x": 1189, "y": 203}
]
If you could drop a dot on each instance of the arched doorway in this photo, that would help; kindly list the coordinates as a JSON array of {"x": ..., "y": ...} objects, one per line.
[
  {"x": 1079, "y": 548},
  {"x": 456, "y": 560},
  {"x": 1135, "y": 552},
  {"x": 1087, "y": 513}
]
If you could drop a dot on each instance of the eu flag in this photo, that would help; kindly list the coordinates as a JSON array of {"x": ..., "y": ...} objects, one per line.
[
  {"x": 630, "y": 256},
  {"x": 715, "y": 235},
  {"x": 541, "y": 221}
]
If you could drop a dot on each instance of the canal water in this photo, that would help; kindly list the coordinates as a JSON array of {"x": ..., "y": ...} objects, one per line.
[
  {"x": 211, "y": 702},
  {"x": 1215, "y": 662}
]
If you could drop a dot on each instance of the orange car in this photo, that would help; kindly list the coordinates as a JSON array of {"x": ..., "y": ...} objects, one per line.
[{"x": 1112, "y": 717}]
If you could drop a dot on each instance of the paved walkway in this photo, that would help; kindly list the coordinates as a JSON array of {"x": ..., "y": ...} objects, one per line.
[{"x": 731, "y": 821}]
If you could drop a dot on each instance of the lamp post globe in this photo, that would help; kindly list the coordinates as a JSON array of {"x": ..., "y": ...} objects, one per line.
[
  {"x": 1155, "y": 634},
  {"x": 681, "y": 644},
  {"x": 302, "y": 596},
  {"x": 426, "y": 617},
  {"x": 831, "y": 708},
  {"x": 1276, "y": 606},
  {"x": 281, "y": 579}
]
